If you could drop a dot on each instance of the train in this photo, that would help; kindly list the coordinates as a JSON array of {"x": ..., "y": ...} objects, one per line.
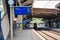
[{"x": 39, "y": 25}]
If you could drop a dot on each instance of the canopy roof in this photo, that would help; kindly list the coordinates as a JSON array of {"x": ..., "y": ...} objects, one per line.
[{"x": 45, "y": 4}]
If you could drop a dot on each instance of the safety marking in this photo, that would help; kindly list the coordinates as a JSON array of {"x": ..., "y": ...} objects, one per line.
[{"x": 38, "y": 34}]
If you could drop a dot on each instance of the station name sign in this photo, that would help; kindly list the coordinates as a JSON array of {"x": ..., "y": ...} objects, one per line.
[{"x": 22, "y": 10}]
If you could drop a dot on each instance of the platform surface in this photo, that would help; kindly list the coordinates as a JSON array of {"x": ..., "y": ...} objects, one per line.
[{"x": 26, "y": 34}]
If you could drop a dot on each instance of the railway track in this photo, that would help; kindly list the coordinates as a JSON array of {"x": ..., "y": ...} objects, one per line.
[
  {"x": 49, "y": 35},
  {"x": 57, "y": 33}
]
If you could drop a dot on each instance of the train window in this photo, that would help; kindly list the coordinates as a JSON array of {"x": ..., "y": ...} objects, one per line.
[{"x": 2, "y": 8}]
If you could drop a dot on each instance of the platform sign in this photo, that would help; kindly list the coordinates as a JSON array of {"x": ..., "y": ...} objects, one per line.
[
  {"x": 10, "y": 2},
  {"x": 23, "y": 10},
  {"x": 1, "y": 34}
]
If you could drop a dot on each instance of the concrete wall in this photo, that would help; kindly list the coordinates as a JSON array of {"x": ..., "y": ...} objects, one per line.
[{"x": 5, "y": 26}]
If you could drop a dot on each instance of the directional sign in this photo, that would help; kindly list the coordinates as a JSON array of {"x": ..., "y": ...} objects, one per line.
[{"x": 24, "y": 10}]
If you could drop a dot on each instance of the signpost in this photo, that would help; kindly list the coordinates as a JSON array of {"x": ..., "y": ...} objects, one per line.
[
  {"x": 11, "y": 2},
  {"x": 22, "y": 10},
  {"x": 18, "y": 10}
]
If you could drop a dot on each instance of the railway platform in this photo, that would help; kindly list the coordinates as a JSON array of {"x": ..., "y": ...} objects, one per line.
[{"x": 26, "y": 34}]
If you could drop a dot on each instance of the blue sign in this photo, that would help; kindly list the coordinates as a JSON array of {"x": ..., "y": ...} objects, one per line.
[{"x": 24, "y": 10}]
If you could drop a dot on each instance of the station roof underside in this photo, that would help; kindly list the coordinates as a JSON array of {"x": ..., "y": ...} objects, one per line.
[{"x": 44, "y": 13}]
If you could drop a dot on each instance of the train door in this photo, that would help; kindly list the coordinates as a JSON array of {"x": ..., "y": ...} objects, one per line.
[{"x": 35, "y": 25}]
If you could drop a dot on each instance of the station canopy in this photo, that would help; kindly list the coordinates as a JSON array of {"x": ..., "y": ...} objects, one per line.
[
  {"x": 45, "y": 9},
  {"x": 45, "y": 4}
]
